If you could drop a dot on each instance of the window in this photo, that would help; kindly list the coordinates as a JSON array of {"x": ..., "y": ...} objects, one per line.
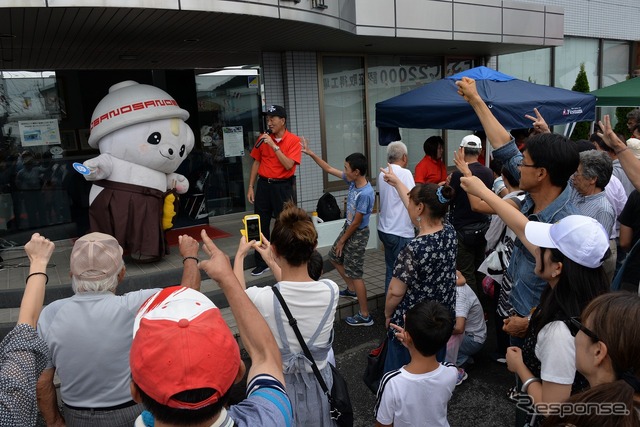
[
  {"x": 349, "y": 98},
  {"x": 615, "y": 62},
  {"x": 342, "y": 92},
  {"x": 615, "y": 69},
  {"x": 533, "y": 66},
  {"x": 229, "y": 116},
  {"x": 33, "y": 172},
  {"x": 390, "y": 76},
  {"x": 568, "y": 58},
  {"x": 27, "y": 96},
  {"x": 349, "y": 109}
]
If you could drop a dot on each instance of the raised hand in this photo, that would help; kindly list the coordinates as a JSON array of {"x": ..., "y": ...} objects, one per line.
[
  {"x": 188, "y": 246},
  {"x": 467, "y": 89},
  {"x": 399, "y": 333},
  {"x": 305, "y": 146},
  {"x": 217, "y": 266},
  {"x": 39, "y": 249},
  {"x": 539, "y": 124},
  {"x": 389, "y": 176},
  {"x": 609, "y": 136},
  {"x": 458, "y": 159}
]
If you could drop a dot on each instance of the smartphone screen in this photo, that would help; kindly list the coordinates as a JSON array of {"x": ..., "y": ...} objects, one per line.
[{"x": 253, "y": 229}]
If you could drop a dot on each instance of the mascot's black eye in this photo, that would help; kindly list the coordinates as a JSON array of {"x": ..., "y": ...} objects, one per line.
[
  {"x": 154, "y": 138},
  {"x": 182, "y": 150}
]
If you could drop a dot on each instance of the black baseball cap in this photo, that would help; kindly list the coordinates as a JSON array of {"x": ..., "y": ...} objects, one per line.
[{"x": 276, "y": 110}]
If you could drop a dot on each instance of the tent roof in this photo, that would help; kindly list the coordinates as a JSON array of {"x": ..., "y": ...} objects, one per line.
[
  {"x": 438, "y": 105},
  {"x": 623, "y": 94}
]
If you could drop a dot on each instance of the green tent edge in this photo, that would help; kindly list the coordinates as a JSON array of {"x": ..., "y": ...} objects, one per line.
[{"x": 623, "y": 94}]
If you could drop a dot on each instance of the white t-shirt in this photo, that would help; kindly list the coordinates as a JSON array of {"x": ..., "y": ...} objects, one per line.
[
  {"x": 307, "y": 302},
  {"x": 393, "y": 217},
  {"x": 468, "y": 306},
  {"x": 406, "y": 399},
  {"x": 556, "y": 352},
  {"x": 618, "y": 198}
]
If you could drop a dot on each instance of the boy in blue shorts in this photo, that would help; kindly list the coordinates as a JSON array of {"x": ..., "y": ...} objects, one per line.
[{"x": 347, "y": 253}]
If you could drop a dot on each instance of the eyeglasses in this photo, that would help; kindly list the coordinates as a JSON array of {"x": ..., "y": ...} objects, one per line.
[
  {"x": 521, "y": 164},
  {"x": 576, "y": 325}
]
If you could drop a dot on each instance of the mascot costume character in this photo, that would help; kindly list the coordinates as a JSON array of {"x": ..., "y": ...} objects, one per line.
[{"x": 142, "y": 137}]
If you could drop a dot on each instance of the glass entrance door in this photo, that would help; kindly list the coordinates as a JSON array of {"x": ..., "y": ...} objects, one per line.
[{"x": 229, "y": 107}]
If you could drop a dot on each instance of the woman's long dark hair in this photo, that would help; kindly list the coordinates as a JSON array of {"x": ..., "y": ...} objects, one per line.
[{"x": 577, "y": 287}]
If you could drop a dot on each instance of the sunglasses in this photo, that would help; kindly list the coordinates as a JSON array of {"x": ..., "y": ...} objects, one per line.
[{"x": 575, "y": 325}]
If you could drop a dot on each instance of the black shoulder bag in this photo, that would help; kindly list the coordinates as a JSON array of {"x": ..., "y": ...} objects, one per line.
[{"x": 341, "y": 409}]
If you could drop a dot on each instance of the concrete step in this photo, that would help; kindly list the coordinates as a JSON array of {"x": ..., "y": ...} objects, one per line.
[{"x": 169, "y": 272}]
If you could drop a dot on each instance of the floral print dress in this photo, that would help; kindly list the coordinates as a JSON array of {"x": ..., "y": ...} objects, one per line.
[{"x": 427, "y": 265}]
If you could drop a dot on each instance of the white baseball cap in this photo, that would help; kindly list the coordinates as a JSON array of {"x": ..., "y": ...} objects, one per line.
[
  {"x": 181, "y": 342},
  {"x": 580, "y": 238},
  {"x": 471, "y": 141},
  {"x": 634, "y": 145}
]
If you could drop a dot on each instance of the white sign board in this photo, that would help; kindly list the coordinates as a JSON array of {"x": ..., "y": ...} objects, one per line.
[
  {"x": 39, "y": 132},
  {"x": 233, "y": 141}
]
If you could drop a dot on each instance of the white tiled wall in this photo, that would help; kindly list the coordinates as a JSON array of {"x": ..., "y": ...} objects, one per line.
[
  {"x": 599, "y": 19},
  {"x": 291, "y": 80}
]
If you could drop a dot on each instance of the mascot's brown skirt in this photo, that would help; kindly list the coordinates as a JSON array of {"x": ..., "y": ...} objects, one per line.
[{"x": 132, "y": 214}]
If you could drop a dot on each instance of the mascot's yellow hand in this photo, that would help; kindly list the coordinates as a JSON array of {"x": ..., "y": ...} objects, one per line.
[{"x": 168, "y": 211}]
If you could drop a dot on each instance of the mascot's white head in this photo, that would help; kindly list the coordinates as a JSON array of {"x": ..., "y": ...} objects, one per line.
[{"x": 142, "y": 124}]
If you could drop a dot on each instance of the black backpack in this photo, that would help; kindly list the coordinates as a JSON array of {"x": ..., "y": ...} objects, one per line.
[{"x": 327, "y": 208}]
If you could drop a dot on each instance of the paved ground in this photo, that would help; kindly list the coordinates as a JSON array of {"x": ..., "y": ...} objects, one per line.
[{"x": 480, "y": 400}]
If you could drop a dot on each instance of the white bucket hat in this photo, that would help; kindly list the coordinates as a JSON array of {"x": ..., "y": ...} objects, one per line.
[{"x": 129, "y": 103}]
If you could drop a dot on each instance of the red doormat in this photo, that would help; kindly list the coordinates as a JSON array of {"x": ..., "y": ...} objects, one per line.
[{"x": 214, "y": 233}]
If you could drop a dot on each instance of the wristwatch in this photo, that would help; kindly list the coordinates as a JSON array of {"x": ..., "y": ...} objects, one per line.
[{"x": 276, "y": 148}]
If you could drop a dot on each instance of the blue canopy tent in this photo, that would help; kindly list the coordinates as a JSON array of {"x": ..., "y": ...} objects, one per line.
[{"x": 437, "y": 105}]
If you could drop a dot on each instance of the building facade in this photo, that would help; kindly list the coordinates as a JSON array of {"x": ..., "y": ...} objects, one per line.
[{"x": 327, "y": 61}]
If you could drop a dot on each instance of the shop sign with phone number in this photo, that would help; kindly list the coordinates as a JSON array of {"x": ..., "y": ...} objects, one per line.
[{"x": 383, "y": 77}]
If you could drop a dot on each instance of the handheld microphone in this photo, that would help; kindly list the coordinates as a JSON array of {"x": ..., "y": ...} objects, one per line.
[{"x": 261, "y": 140}]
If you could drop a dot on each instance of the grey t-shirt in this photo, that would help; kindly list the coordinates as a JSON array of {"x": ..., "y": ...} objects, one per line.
[
  {"x": 89, "y": 337},
  {"x": 468, "y": 306}
]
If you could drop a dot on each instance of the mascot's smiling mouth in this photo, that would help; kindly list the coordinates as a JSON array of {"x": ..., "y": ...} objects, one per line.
[{"x": 169, "y": 153}]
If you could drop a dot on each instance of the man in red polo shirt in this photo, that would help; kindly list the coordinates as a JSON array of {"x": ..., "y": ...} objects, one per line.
[{"x": 275, "y": 157}]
